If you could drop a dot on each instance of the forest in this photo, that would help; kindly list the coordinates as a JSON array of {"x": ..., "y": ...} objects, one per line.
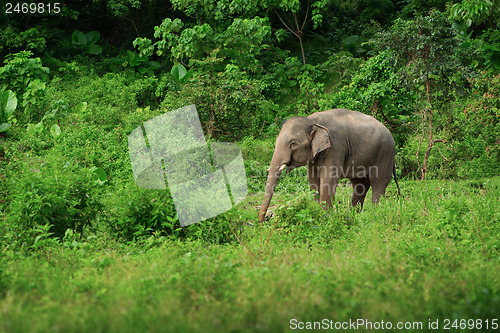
[{"x": 83, "y": 248}]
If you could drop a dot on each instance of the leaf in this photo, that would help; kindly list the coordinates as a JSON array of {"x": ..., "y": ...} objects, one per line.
[
  {"x": 92, "y": 37},
  {"x": 178, "y": 71},
  {"x": 495, "y": 59},
  {"x": 134, "y": 59},
  {"x": 39, "y": 127},
  {"x": 351, "y": 40},
  {"x": 31, "y": 129},
  {"x": 55, "y": 130},
  {"x": 94, "y": 49},
  {"x": 78, "y": 37},
  {"x": 187, "y": 76},
  {"x": 154, "y": 65},
  {"x": 100, "y": 175},
  {"x": 8, "y": 103},
  {"x": 466, "y": 44},
  {"x": 4, "y": 127},
  {"x": 81, "y": 107}
]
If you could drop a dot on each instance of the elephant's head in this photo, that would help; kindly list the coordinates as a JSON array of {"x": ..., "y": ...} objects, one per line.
[{"x": 298, "y": 143}]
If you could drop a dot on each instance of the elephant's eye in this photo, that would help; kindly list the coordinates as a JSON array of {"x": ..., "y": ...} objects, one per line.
[{"x": 293, "y": 144}]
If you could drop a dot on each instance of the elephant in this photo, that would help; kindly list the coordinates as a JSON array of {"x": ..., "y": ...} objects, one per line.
[{"x": 334, "y": 144}]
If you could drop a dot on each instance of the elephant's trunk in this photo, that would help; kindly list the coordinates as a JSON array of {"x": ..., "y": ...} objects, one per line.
[{"x": 275, "y": 171}]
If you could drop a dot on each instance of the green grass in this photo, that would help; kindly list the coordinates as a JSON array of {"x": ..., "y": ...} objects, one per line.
[{"x": 433, "y": 254}]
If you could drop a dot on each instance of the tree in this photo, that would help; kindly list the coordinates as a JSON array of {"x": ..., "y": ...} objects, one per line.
[
  {"x": 213, "y": 33},
  {"x": 423, "y": 50},
  {"x": 467, "y": 16},
  {"x": 129, "y": 10},
  {"x": 295, "y": 17}
]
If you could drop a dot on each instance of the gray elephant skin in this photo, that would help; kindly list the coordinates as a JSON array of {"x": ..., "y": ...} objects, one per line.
[{"x": 334, "y": 144}]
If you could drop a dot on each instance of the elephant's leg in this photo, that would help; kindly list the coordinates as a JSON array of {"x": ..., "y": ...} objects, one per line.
[
  {"x": 360, "y": 187},
  {"x": 314, "y": 180},
  {"x": 328, "y": 185},
  {"x": 378, "y": 188}
]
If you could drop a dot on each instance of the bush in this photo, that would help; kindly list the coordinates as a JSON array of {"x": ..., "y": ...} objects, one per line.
[
  {"x": 49, "y": 196},
  {"x": 477, "y": 129},
  {"x": 136, "y": 214},
  {"x": 12, "y": 39},
  {"x": 110, "y": 97},
  {"x": 27, "y": 78},
  {"x": 304, "y": 220},
  {"x": 230, "y": 103}
]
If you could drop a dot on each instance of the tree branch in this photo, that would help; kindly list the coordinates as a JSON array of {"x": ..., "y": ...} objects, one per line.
[
  {"x": 305, "y": 18},
  {"x": 286, "y": 25}
]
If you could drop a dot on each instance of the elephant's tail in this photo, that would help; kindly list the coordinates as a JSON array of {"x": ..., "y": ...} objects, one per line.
[{"x": 396, "y": 178}]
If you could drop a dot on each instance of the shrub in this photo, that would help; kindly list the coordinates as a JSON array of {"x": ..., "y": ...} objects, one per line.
[
  {"x": 135, "y": 214},
  {"x": 304, "y": 220},
  {"x": 51, "y": 195},
  {"x": 230, "y": 103},
  {"x": 8, "y": 104},
  {"x": 477, "y": 129},
  {"x": 12, "y": 39},
  {"x": 27, "y": 78},
  {"x": 110, "y": 96}
]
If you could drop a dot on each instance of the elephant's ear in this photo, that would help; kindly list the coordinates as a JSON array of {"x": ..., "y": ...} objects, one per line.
[{"x": 320, "y": 139}]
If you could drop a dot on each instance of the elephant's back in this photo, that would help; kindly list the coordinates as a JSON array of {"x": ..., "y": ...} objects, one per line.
[
  {"x": 360, "y": 128},
  {"x": 344, "y": 118}
]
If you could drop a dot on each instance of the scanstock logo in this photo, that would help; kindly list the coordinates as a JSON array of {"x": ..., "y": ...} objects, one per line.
[{"x": 204, "y": 179}]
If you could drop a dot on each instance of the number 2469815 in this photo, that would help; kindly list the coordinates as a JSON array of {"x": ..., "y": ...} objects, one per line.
[{"x": 32, "y": 8}]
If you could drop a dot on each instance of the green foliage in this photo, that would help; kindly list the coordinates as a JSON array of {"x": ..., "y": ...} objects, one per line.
[
  {"x": 292, "y": 80},
  {"x": 123, "y": 7},
  {"x": 304, "y": 221},
  {"x": 133, "y": 213},
  {"x": 180, "y": 74},
  {"x": 99, "y": 175},
  {"x": 374, "y": 83},
  {"x": 452, "y": 223},
  {"x": 476, "y": 129},
  {"x": 8, "y": 104},
  {"x": 421, "y": 7},
  {"x": 26, "y": 77},
  {"x": 87, "y": 41},
  {"x": 229, "y": 103},
  {"x": 108, "y": 95},
  {"x": 13, "y": 39},
  {"x": 137, "y": 62},
  {"x": 181, "y": 43},
  {"x": 466, "y": 16},
  {"x": 423, "y": 49},
  {"x": 415, "y": 246},
  {"x": 491, "y": 47},
  {"x": 38, "y": 132},
  {"x": 55, "y": 131},
  {"x": 472, "y": 11},
  {"x": 50, "y": 196},
  {"x": 217, "y": 11}
]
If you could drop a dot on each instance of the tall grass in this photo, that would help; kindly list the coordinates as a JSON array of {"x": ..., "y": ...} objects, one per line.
[{"x": 432, "y": 254}]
